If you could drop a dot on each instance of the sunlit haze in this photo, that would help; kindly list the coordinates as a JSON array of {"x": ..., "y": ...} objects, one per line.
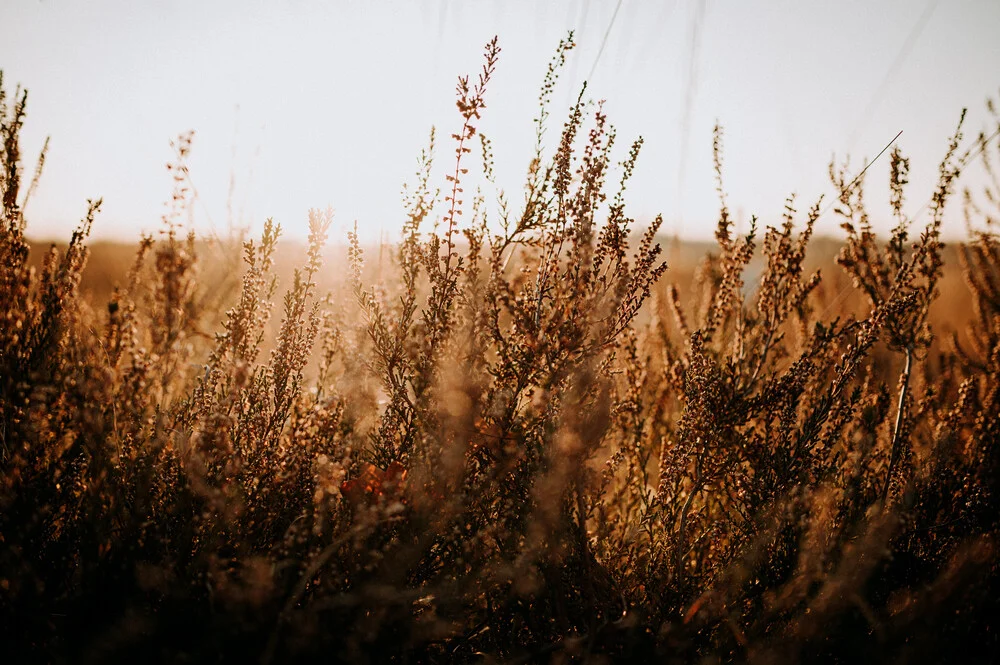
[{"x": 303, "y": 104}]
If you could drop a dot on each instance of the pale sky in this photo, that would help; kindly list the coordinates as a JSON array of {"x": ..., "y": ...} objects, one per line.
[{"x": 313, "y": 104}]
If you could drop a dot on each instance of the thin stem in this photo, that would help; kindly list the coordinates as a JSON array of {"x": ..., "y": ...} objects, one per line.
[
  {"x": 695, "y": 488},
  {"x": 900, "y": 413}
]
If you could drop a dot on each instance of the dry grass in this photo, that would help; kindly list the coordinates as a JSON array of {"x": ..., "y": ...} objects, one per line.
[{"x": 519, "y": 439}]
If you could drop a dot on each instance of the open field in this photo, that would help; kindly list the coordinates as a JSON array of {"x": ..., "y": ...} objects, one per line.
[{"x": 535, "y": 431}]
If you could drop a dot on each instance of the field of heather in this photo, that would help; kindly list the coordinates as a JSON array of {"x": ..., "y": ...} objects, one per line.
[{"x": 545, "y": 434}]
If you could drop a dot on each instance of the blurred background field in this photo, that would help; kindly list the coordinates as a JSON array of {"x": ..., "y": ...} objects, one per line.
[{"x": 220, "y": 262}]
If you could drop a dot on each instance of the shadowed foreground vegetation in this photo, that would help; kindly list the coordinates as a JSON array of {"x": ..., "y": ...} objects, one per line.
[{"x": 520, "y": 441}]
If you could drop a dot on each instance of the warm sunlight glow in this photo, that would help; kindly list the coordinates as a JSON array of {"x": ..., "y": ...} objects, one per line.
[
  {"x": 306, "y": 104},
  {"x": 500, "y": 332}
]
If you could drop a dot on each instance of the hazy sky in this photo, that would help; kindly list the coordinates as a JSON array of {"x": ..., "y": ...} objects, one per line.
[{"x": 309, "y": 104}]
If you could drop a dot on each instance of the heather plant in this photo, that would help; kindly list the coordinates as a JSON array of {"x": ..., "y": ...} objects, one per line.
[{"x": 516, "y": 443}]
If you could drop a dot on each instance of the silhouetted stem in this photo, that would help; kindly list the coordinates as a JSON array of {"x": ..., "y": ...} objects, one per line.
[
  {"x": 900, "y": 413},
  {"x": 695, "y": 488}
]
